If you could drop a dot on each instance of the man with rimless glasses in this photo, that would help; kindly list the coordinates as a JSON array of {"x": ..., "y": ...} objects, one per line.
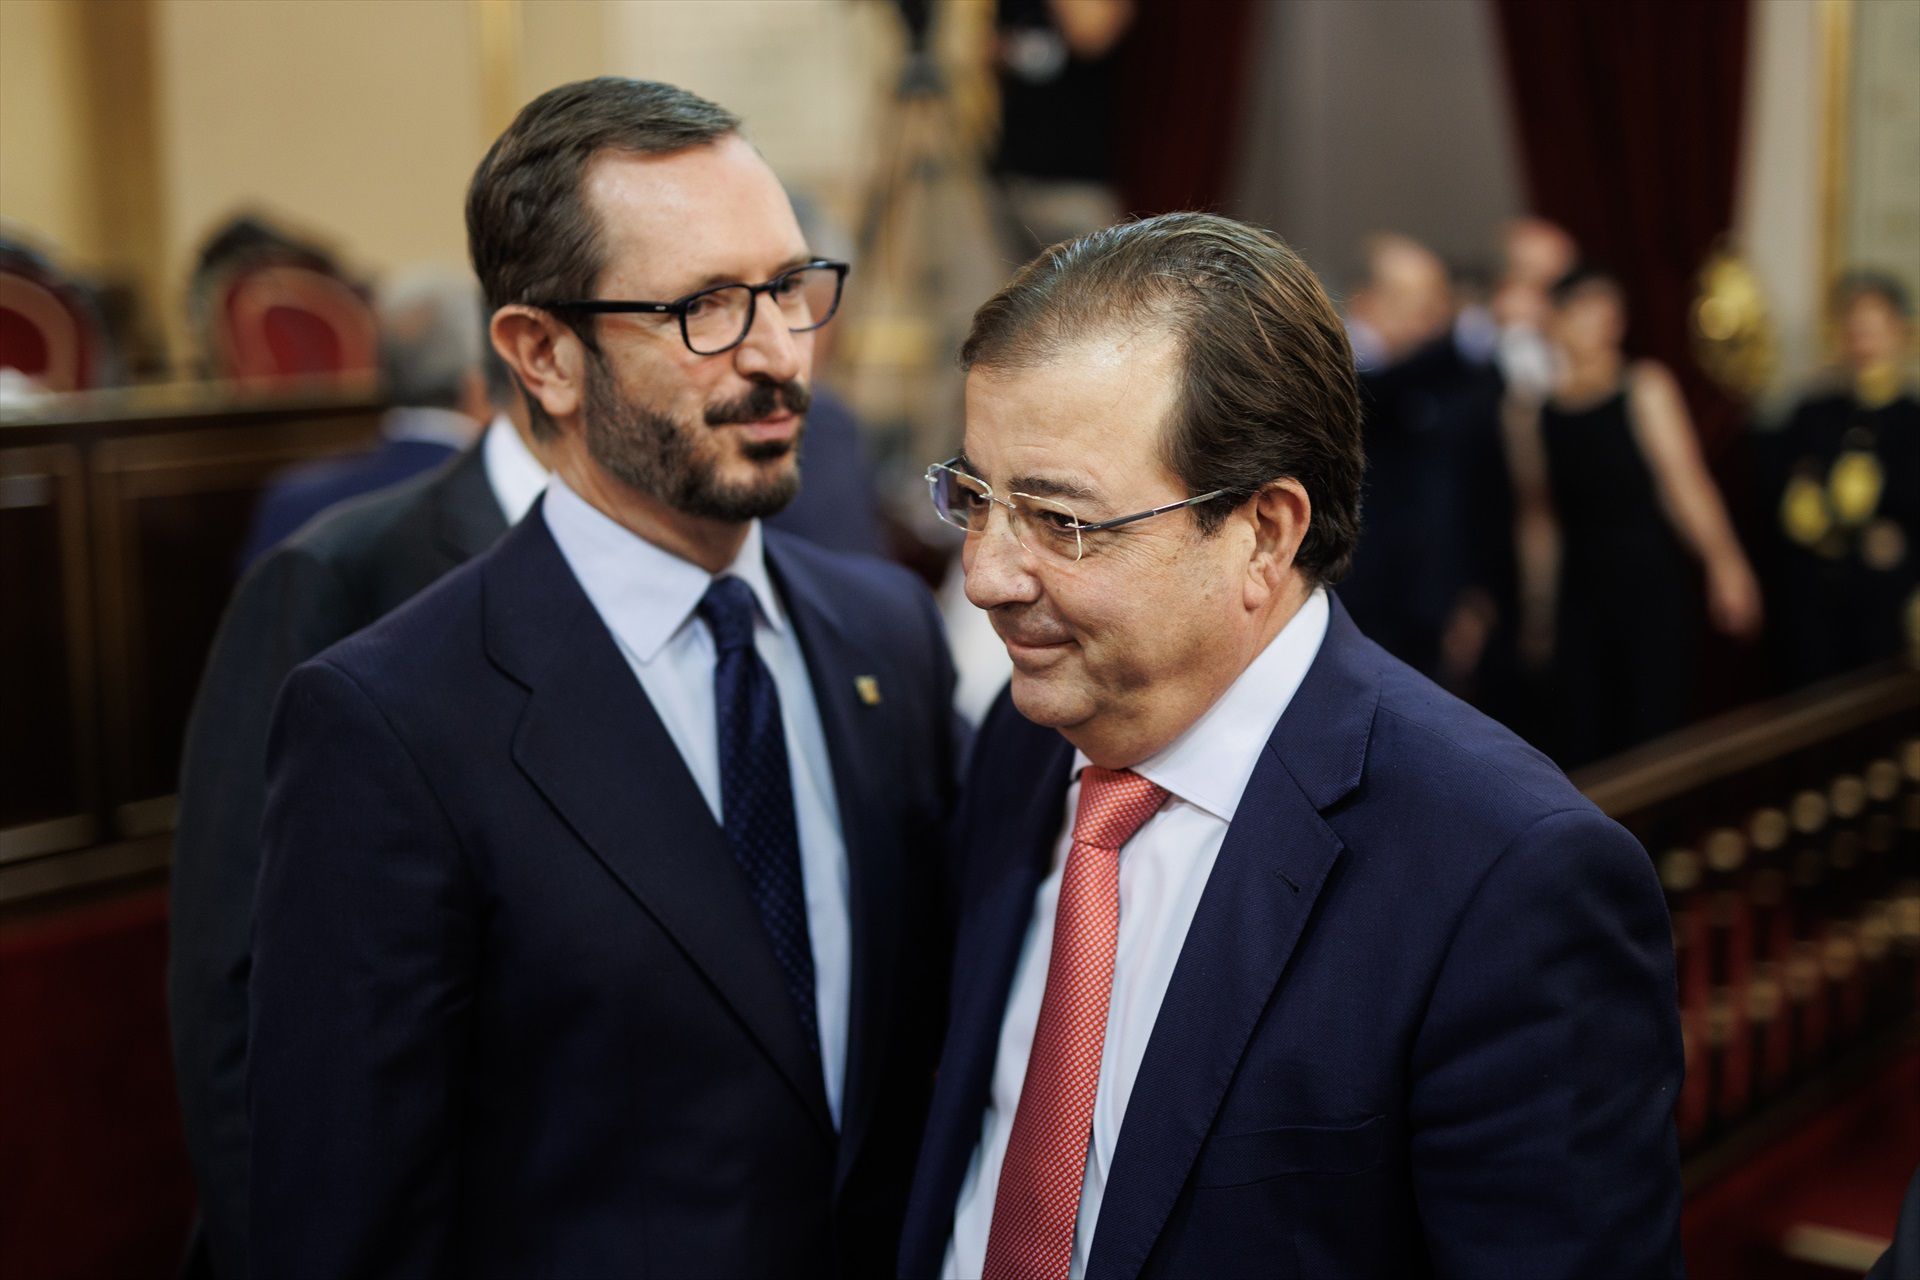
[
  {"x": 1273, "y": 959},
  {"x": 598, "y": 927}
]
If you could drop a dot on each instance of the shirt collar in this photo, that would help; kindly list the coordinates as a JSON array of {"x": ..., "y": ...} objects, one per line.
[
  {"x": 644, "y": 593},
  {"x": 514, "y": 474},
  {"x": 1210, "y": 764}
]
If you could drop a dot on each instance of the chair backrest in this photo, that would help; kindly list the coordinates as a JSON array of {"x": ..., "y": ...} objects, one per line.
[
  {"x": 280, "y": 320},
  {"x": 46, "y": 332}
]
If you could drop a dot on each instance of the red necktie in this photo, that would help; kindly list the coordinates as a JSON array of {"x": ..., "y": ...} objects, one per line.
[{"x": 1031, "y": 1237}]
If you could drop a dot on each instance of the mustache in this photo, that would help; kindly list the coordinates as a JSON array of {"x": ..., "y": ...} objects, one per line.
[{"x": 764, "y": 401}]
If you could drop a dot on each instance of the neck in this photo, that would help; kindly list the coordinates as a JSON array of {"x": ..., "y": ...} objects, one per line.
[
  {"x": 1877, "y": 383},
  {"x": 1589, "y": 372},
  {"x": 711, "y": 544},
  {"x": 1122, "y": 746}
]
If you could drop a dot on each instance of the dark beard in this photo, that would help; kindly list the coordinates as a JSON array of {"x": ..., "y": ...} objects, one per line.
[{"x": 649, "y": 451}]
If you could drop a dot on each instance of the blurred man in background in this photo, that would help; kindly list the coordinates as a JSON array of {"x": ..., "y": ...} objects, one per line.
[
  {"x": 1536, "y": 254},
  {"x": 430, "y": 344},
  {"x": 337, "y": 574},
  {"x": 1428, "y": 418},
  {"x": 837, "y": 506}
]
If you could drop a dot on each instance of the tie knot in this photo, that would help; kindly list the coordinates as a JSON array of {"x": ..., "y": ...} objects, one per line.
[
  {"x": 1113, "y": 805},
  {"x": 728, "y": 610}
]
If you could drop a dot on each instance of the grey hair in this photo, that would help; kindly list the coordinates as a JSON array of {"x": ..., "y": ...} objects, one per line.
[{"x": 430, "y": 337}]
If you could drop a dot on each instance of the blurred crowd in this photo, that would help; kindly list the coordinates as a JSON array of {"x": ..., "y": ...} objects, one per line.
[
  {"x": 1545, "y": 535},
  {"x": 1544, "y": 532}
]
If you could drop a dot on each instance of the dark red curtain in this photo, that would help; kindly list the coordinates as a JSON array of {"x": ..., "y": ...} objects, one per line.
[
  {"x": 1183, "y": 70},
  {"x": 1629, "y": 115}
]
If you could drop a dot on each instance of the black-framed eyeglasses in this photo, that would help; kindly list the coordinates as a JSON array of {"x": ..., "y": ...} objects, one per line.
[
  {"x": 1044, "y": 526},
  {"x": 717, "y": 319}
]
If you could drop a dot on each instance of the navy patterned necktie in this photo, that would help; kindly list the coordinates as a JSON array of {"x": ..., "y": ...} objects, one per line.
[{"x": 756, "y": 790}]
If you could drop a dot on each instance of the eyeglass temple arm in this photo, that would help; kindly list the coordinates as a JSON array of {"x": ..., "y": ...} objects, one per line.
[{"x": 1157, "y": 511}]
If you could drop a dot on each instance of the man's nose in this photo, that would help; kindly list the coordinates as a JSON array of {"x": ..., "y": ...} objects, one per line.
[
  {"x": 771, "y": 349},
  {"x": 998, "y": 569}
]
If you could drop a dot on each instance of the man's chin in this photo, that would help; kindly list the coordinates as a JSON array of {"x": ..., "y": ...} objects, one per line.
[{"x": 1042, "y": 699}]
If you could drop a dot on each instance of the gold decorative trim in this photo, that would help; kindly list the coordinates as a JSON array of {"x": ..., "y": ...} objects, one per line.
[{"x": 1836, "y": 137}]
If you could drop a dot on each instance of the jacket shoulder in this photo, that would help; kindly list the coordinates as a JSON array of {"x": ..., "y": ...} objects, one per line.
[
  {"x": 365, "y": 529},
  {"x": 1432, "y": 753}
]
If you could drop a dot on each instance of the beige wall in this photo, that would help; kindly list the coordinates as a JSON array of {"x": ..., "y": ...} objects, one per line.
[
  {"x": 358, "y": 119},
  {"x": 1366, "y": 117},
  {"x": 808, "y": 77},
  {"x": 129, "y": 128},
  {"x": 44, "y": 175}
]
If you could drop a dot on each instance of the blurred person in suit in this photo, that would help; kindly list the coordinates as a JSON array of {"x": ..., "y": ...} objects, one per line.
[
  {"x": 1425, "y": 408},
  {"x": 1272, "y": 954},
  {"x": 1056, "y": 158},
  {"x": 340, "y": 572},
  {"x": 1536, "y": 253},
  {"x": 1848, "y": 503},
  {"x": 1615, "y": 509},
  {"x": 599, "y": 924},
  {"x": 837, "y": 506},
  {"x": 430, "y": 374}
]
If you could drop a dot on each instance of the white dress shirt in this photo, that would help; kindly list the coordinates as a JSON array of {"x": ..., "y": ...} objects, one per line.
[
  {"x": 647, "y": 598},
  {"x": 513, "y": 473},
  {"x": 1163, "y": 871}
]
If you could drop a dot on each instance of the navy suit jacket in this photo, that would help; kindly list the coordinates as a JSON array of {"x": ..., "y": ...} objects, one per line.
[
  {"x": 513, "y": 1010},
  {"x": 303, "y": 492},
  {"x": 1424, "y": 1021}
]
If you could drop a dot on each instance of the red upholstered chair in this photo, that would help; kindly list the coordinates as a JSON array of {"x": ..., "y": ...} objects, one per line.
[
  {"x": 280, "y": 320},
  {"x": 47, "y": 330}
]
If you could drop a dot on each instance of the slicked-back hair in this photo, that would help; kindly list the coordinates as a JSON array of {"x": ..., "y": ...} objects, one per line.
[
  {"x": 1268, "y": 389},
  {"x": 530, "y": 232}
]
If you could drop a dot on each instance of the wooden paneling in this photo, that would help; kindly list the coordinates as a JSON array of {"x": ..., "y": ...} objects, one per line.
[{"x": 122, "y": 518}]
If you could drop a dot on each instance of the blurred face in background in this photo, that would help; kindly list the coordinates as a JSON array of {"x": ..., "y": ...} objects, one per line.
[
  {"x": 1590, "y": 321},
  {"x": 1537, "y": 253},
  {"x": 1873, "y": 333},
  {"x": 1408, "y": 298},
  {"x": 713, "y": 436}
]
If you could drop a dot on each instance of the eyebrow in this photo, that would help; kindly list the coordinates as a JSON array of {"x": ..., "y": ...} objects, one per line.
[
  {"x": 805, "y": 256},
  {"x": 1039, "y": 486}
]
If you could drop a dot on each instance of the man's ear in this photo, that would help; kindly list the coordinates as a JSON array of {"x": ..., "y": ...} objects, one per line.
[
  {"x": 1280, "y": 513},
  {"x": 545, "y": 355}
]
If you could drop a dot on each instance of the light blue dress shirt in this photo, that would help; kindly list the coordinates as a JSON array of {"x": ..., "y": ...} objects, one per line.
[{"x": 647, "y": 597}]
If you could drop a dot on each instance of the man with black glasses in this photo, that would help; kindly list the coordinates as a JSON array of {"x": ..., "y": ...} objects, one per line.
[{"x": 598, "y": 923}]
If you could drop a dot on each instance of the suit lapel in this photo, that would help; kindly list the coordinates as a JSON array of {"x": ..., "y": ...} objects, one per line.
[
  {"x": 863, "y": 763},
  {"x": 1012, "y": 822},
  {"x": 1275, "y": 860},
  {"x": 594, "y": 746}
]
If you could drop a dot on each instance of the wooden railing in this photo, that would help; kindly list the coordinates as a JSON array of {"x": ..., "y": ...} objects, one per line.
[{"x": 1787, "y": 837}]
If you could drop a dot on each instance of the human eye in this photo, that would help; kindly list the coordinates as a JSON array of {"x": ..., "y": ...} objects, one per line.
[{"x": 701, "y": 305}]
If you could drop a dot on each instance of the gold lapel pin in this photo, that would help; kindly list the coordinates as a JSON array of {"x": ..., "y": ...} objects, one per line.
[{"x": 868, "y": 688}]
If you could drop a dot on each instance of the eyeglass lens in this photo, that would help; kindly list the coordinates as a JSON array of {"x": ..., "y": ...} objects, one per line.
[
  {"x": 1041, "y": 525},
  {"x": 719, "y": 318}
]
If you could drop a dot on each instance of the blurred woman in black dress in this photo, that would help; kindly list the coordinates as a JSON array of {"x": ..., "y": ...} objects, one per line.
[
  {"x": 1849, "y": 503},
  {"x": 1614, "y": 505}
]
